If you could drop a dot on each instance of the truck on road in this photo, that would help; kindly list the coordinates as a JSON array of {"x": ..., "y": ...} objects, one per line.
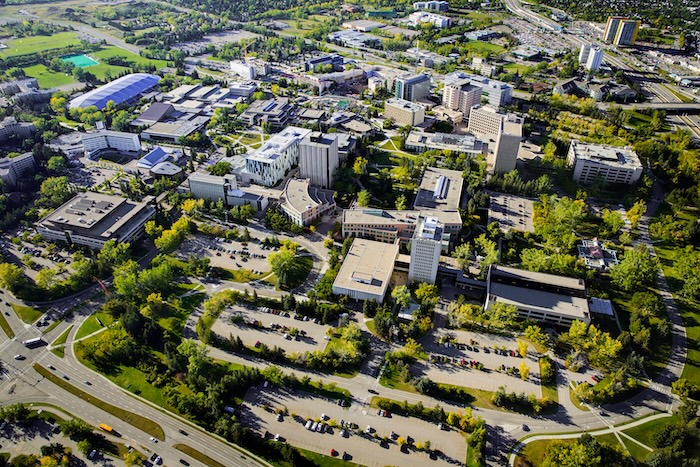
[{"x": 106, "y": 428}]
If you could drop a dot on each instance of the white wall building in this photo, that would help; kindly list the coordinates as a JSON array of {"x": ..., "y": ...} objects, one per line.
[
  {"x": 108, "y": 139},
  {"x": 11, "y": 128},
  {"x": 612, "y": 164},
  {"x": 302, "y": 203},
  {"x": 318, "y": 158},
  {"x": 419, "y": 17},
  {"x": 14, "y": 168},
  {"x": 271, "y": 162},
  {"x": 243, "y": 70},
  {"x": 590, "y": 56},
  {"x": 426, "y": 245},
  {"x": 366, "y": 270},
  {"x": 435, "y": 5}
]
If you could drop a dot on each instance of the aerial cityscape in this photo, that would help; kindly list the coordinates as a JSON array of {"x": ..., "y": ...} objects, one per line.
[{"x": 342, "y": 233}]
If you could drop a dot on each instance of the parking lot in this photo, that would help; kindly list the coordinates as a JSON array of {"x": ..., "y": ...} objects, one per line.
[
  {"x": 282, "y": 330},
  {"x": 358, "y": 447},
  {"x": 451, "y": 363},
  {"x": 228, "y": 254},
  {"x": 37, "y": 256}
]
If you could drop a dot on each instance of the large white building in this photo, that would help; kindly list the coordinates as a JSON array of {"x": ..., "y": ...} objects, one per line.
[
  {"x": 92, "y": 219},
  {"x": 426, "y": 246},
  {"x": 318, "y": 158},
  {"x": 404, "y": 112},
  {"x": 435, "y": 5},
  {"x": 461, "y": 96},
  {"x": 419, "y": 17},
  {"x": 271, "y": 162},
  {"x": 600, "y": 161},
  {"x": 108, "y": 139},
  {"x": 14, "y": 168},
  {"x": 302, "y": 203},
  {"x": 590, "y": 56},
  {"x": 243, "y": 70},
  {"x": 497, "y": 93},
  {"x": 504, "y": 130},
  {"x": 366, "y": 270}
]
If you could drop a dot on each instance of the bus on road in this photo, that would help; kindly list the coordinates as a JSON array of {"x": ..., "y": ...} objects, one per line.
[{"x": 32, "y": 343}]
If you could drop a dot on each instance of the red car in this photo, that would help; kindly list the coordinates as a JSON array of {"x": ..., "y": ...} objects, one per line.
[{"x": 334, "y": 453}]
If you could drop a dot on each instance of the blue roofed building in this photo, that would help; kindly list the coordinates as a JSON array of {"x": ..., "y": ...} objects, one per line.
[
  {"x": 156, "y": 156},
  {"x": 124, "y": 89}
]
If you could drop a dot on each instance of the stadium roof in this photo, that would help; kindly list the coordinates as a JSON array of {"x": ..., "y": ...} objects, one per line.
[{"x": 120, "y": 90}]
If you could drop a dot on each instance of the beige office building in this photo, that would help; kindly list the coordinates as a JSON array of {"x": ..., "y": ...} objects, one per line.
[
  {"x": 404, "y": 112},
  {"x": 503, "y": 132},
  {"x": 366, "y": 270}
]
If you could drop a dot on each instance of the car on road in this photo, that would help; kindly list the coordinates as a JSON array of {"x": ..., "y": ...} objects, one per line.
[
  {"x": 334, "y": 453},
  {"x": 277, "y": 437},
  {"x": 152, "y": 439},
  {"x": 184, "y": 462},
  {"x": 279, "y": 417},
  {"x": 88, "y": 383},
  {"x": 66, "y": 377},
  {"x": 92, "y": 454},
  {"x": 183, "y": 432},
  {"x": 158, "y": 460},
  {"x": 19, "y": 357}
]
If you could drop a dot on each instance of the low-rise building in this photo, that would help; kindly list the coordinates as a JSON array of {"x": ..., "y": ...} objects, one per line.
[
  {"x": 366, "y": 270},
  {"x": 362, "y": 25},
  {"x": 226, "y": 189},
  {"x": 496, "y": 92},
  {"x": 354, "y": 39},
  {"x": 600, "y": 161},
  {"x": 596, "y": 255},
  {"x": 11, "y": 128},
  {"x": 511, "y": 212},
  {"x": 92, "y": 219},
  {"x": 244, "y": 70},
  {"x": 166, "y": 169},
  {"x": 433, "y": 5},
  {"x": 107, "y": 139},
  {"x": 312, "y": 64},
  {"x": 153, "y": 158},
  {"x": 14, "y": 168},
  {"x": 419, "y": 142},
  {"x": 547, "y": 298},
  {"x": 275, "y": 112},
  {"x": 417, "y": 18},
  {"x": 388, "y": 226},
  {"x": 404, "y": 112},
  {"x": 172, "y": 131},
  {"x": 302, "y": 202},
  {"x": 271, "y": 162},
  {"x": 440, "y": 189}
]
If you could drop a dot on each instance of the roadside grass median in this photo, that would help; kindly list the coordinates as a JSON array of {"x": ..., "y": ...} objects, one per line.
[
  {"x": 27, "y": 314},
  {"x": 93, "y": 323},
  {"x": 200, "y": 456},
  {"x": 6, "y": 327},
  {"x": 138, "y": 421},
  {"x": 59, "y": 349}
]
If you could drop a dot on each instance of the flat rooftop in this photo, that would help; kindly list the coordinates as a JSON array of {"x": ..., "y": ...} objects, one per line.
[
  {"x": 94, "y": 214},
  {"x": 608, "y": 155},
  {"x": 538, "y": 291},
  {"x": 440, "y": 189},
  {"x": 279, "y": 143},
  {"x": 389, "y": 218},
  {"x": 301, "y": 196},
  {"x": 511, "y": 212},
  {"x": 367, "y": 267},
  {"x": 404, "y": 104}
]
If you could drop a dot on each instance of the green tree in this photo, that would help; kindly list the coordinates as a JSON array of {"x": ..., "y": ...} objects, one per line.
[
  {"x": 359, "y": 166},
  {"x": 363, "y": 198},
  {"x": 54, "y": 191},
  {"x": 556, "y": 220},
  {"x": 462, "y": 254},
  {"x": 524, "y": 371},
  {"x": 401, "y": 296},
  {"x": 636, "y": 212},
  {"x": 282, "y": 263},
  {"x": 427, "y": 294},
  {"x": 56, "y": 164},
  {"x": 221, "y": 168},
  {"x": 688, "y": 267},
  {"x": 636, "y": 268},
  {"x": 613, "y": 221},
  {"x": 401, "y": 203},
  {"x": 11, "y": 276}
]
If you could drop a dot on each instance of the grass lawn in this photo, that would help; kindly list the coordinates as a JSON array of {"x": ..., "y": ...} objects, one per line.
[
  {"x": 549, "y": 390},
  {"x": 252, "y": 138},
  {"x": 201, "y": 457},
  {"x": 33, "y": 44},
  {"x": 26, "y": 313},
  {"x": 6, "y": 327},
  {"x": 175, "y": 313},
  {"x": 299, "y": 27},
  {"x": 142, "y": 423},
  {"x": 129, "y": 378},
  {"x": 689, "y": 309},
  {"x": 638, "y": 452},
  {"x": 482, "y": 48},
  {"x": 92, "y": 324},
  {"x": 576, "y": 401},
  {"x": 46, "y": 78},
  {"x": 60, "y": 340},
  {"x": 513, "y": 67},
  {"x": 321, "y": 460},
  {"x": 370, "y": 325},
  {"x": 100, "y": 70},
  {"x": 645, "y": 433},
  {"x": 533, "y": 453},
  {"x": 239, "y": 275}
]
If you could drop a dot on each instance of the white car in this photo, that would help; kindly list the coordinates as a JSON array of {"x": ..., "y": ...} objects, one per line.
[
  {"x": 19, "y": 357},
  {"x": 152, "y": 439}
]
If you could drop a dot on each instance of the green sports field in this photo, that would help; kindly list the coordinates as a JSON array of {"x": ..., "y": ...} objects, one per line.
[
  {"x": 48, "y": 79},
  {"x": 28, "y": 45}
]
